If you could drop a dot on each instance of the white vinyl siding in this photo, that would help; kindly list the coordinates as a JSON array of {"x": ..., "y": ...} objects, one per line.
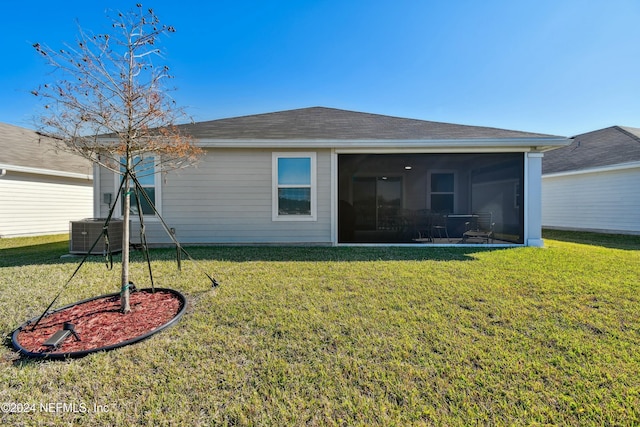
[
  {"x": 605, "y": 201},
  {"x": 37, "y": 204},
  {"x": 227, "y": 199}
]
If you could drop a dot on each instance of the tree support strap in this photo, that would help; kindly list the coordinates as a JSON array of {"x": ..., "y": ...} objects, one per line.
[
  {"x": 105, "y": 227},
  {"x": 143, "y": 236},
  {"x": 107, "y": 248},
  {"x": 109, "y": 255},
  {"x": 179, "y": 247}
]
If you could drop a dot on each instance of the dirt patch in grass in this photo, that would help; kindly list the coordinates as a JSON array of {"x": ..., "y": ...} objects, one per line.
[{"x": 99, "y": 322}]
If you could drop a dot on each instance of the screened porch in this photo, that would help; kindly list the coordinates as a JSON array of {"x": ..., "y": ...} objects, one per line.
[{"x": 431, "y": 198}]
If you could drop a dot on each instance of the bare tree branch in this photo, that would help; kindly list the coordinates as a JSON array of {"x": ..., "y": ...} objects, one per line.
[
  {"x": 109, "y": 97},
  {"x": 108, "y": 103}
]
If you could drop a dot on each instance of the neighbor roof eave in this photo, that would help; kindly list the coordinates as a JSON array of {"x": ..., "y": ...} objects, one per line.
[
  {"x": 590, "y": 170},
  {"x": 48, "y": 172}
]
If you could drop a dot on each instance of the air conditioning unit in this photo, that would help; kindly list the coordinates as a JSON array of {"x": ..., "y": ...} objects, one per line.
[{"x": 83, "y": 234}]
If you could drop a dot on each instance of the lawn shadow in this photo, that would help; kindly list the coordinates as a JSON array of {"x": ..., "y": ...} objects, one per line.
[
  {"x": 610, "y": 241},
  {"x": 327, "y": 254},
  {"x": 58, "y": 253},
  {"x": 45, "y": 253}
]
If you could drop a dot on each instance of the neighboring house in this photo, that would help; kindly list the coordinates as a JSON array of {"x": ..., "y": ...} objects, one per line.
[
  {"x": 594, "y": 183},
  {"x": 41, "y": 189},
  {"x": 327, "y": 177}
]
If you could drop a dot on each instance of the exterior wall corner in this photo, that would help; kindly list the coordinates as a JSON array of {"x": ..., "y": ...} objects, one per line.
[{"x": 533, "y": 203}]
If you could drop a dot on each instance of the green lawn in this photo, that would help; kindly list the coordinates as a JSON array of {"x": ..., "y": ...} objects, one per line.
[{"x": 347, "y": 336}]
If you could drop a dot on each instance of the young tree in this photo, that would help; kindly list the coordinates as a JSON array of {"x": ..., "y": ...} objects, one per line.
[{"x": 109, "y": 103}]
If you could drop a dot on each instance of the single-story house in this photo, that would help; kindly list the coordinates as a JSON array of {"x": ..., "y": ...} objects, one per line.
[
  {"x": 323, "y": 176},
  {"x": 41, "y": 189},
  {"x": 594, "y": 183}
]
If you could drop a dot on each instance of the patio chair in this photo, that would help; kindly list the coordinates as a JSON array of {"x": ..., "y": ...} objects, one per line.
[
  {"x": 422, "y": 226},
  {"x": 439, "y": 225},
  {"x": 480, "y": 227}
]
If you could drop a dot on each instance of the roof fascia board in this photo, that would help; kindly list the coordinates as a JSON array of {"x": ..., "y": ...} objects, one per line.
[
  {"x": 49, "y": 172},
  {"x": 535, "y": 144},
  {"x": 600, "y": 169},
  {"x": 439, "y": 150}
]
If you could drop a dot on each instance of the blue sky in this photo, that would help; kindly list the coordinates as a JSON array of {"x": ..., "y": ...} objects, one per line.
[{"x": 553, "y": 66}]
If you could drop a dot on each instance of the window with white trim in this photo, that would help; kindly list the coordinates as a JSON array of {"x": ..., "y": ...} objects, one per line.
[
  {"x": 145, "y": 169},
  {"x": 294, "y": 186}
]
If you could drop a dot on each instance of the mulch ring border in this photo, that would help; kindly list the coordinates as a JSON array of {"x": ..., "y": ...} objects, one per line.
[{"x": 61, "y": 355}]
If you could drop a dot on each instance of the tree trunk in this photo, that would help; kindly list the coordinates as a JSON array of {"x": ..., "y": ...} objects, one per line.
[{"x": 124, "y": 294}]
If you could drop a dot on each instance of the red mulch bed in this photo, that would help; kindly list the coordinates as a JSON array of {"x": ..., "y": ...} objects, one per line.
[{"x": 100, "y": 323}]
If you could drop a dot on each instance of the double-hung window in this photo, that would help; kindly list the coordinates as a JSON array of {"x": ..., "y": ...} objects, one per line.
[
  {"x": 294, "y": 186},
  {"x": 442, "y": 192},
  {"x": 145, "y": 169}
]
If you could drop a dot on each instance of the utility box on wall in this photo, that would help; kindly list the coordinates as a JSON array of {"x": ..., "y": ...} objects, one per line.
[{"x": 83, "y": 234}]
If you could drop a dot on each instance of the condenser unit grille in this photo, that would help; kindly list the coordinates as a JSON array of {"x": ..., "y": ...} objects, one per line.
[{"x": 83, "y": 234}]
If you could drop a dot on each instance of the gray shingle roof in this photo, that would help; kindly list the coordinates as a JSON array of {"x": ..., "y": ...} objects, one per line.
[
  {"x": 603, "y": 147},
  {"x": 26, "y": 148},
  {"x": 318, "y": 123}
]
